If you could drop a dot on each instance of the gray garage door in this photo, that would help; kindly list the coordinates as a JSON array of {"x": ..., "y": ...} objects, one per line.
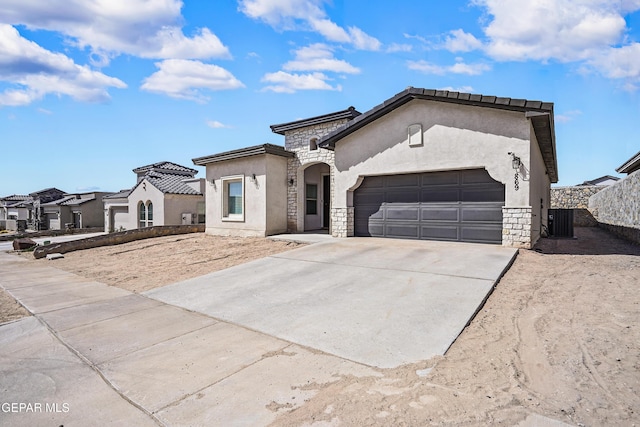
[{"x": 464, "y": 206}]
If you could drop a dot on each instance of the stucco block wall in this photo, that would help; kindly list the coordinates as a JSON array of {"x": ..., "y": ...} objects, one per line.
[{"x": 618, "y": 204}]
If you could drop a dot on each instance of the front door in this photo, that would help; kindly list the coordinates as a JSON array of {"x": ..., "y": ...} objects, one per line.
[{"x": 326, "y": 201}]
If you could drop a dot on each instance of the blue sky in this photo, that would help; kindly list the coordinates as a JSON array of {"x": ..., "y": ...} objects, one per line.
[{"x": 89, "y": 90}]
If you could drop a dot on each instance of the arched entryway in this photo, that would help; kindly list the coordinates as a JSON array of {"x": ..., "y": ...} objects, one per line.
[{"x": 314, "y": 197}]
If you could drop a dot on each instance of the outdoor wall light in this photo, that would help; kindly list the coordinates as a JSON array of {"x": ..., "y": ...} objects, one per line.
[
  {"x": 515, "y": 161},
  {"x": 515, "y": 164},
  {"x": 290, "y": 181},
  {"x": 253, "y": 177},
  {"x": 213, "y": 183}
]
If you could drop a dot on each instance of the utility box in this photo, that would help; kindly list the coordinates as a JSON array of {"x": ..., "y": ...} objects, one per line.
[
  {"x": 187, "y": 218},
  {"x": 561, "y": 222}
]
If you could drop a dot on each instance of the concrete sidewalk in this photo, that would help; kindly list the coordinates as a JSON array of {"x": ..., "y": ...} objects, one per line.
[
  {"x": 236, "y": 347},
  {"x": 95, "y": 352}
]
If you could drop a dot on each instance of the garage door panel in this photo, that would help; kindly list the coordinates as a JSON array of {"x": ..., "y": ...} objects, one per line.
[
  {"x": 453, "y": 205},
  {"x": 439, "y": 195},
  {"x": 402, "y": 212},
  {"x": 373, "y": 182},
  {"x": 435, "y": 213},
  {"x": 440, "y": 232},
  {"x": 403, "y": 196},
  {"x": 403, "y": 181},
  {"x": 368, "y": 198},
  {"x": 482, "y": 194},
  {"x": 481, "y": 235},
  {"x": 440, "y": 178},
  {"x": 482, "y": 214},
  {"x": 364, "y": 214}
]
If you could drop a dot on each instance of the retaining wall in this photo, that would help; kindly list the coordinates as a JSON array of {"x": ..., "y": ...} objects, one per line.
[
  {"x": 117, "y": 238},
  {"x": 617, "y": 207},
  {"x": 576, "y": 198}
]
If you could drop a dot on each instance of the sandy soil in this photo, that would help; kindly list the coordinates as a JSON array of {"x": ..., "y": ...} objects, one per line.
[{"x": 559, "y": 336}]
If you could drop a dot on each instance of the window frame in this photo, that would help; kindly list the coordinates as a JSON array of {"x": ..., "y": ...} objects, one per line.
[
  {"x": 225, "y": 181},
  {"x": 308, "y": 199}
]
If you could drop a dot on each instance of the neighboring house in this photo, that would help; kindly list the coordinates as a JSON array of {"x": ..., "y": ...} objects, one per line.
[
  {"x": 15, "y": 207},
  {"x": 37, "y": 219},
  {"x": 424, "y": 164},
  {"x": 602, "y": 181},
  {"x": 82, "y": 210},
  {"x": 165, "y": 194},
  {"x": 631, "y": 165}
]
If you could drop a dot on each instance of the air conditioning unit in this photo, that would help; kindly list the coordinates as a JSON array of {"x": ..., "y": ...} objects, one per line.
[{"x": 187, "y": 218}]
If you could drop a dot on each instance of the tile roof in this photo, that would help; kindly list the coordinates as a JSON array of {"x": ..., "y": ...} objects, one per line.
[
  {"x": 349, "y": 114},
  {"x": 600, "y": 180},
  {"x": 244, "y": 152},
  {"x": 540, "y": 113},
  {"x": 631, "y": 165},
  {"x": 122, "y": 194},
  {"x": 75, "y": 201},
  {"x": 170, "y": 184},
  {"x": 167, "y": 167},
  {"x": 16, "y": 197}
]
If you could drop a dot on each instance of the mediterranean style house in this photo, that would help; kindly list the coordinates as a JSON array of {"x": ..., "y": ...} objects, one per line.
[
  {"x": 165, "y": 194},
  {"x": 424, "y": 164}
]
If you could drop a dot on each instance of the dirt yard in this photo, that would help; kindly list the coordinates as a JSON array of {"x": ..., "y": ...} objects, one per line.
[{"x": 559, "y": 336}]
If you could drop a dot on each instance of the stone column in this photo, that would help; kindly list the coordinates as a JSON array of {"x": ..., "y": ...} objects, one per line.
[{"x": 516, "y": 227}]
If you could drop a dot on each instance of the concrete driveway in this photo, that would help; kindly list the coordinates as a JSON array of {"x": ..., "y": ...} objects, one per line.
[
  {"x": 257, "y": 340},
  {"x": 379, "y": 302}
]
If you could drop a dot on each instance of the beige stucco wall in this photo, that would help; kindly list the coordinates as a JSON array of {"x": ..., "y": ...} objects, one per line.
[
  {"x": 145, "y": 192},
  {"x": 264, "y": 198},
  {"x": 455, "y": 137},
  {"x": 177, "y": 204},
  {"x": 539, "y": 189},
  {"x": 276, "y": 194}
]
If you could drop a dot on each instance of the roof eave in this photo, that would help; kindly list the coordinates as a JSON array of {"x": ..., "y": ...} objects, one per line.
[
  {"x": 243, "y": 152},
  {"x": 630, "y": 165},
  {"x": 349, "y": 114}
]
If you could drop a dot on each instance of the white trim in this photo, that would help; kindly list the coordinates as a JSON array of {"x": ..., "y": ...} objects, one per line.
[{"x": 224, "y": 181}]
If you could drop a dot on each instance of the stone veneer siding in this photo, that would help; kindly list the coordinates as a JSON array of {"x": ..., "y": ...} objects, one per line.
[
  {"x": 297, "y": 141},
  {"x": 516, "y": 227},
  {"x": 576, "y": 198},
  {"x": 617, "y": 207}
]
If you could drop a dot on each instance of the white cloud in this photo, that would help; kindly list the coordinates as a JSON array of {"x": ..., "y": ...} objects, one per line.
[
  {"x": 564, "y": 30},
  {"x": 216, "y": 124},
  {"x": 464, "y": 89},
  {"x": 38, "y": 72},
  {"x": 145, "y": 28},
  {"x": 459, "y": 41},
  {"x": 457, "y": 68},
  {"x": 184, "y": 79},
  {"x": 45, "y": 111},
  {"x": 306, "y": 15},
  {"x": 567, "y": 116},
  {"x": 399, "y": 47},
  {"x": 318, "y": 57},
  {"x": 289, "y": 83},
  {"x": 619, "y": 63}
]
